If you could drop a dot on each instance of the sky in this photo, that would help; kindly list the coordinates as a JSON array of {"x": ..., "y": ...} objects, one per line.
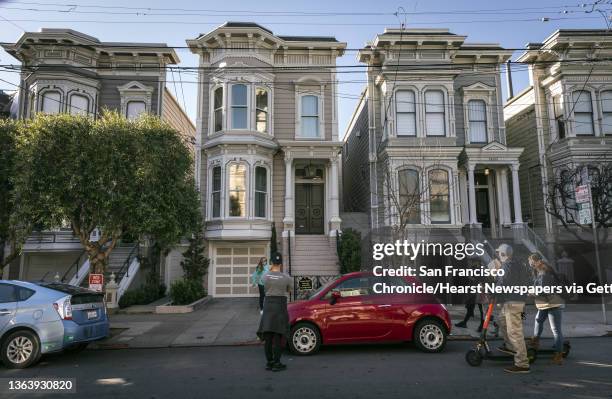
[{"x": 511, "y": 24}]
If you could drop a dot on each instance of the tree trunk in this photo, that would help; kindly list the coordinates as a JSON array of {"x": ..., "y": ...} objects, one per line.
[{"x": 97, "y": 260}]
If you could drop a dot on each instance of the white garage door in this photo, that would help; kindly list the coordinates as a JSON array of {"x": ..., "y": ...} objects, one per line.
[{"x": 233, "y": 268}]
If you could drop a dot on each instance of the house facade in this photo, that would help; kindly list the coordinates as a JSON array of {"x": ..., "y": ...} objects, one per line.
[
  {"x": 267, "y": 133},
  {"x": 65, "y": 71},
  {"x": 426, "y": 146}
]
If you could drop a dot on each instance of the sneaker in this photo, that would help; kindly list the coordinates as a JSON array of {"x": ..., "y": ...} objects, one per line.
[
  {"x": 517, "y": 370},
  {"x": 278, "y": 366},
  {"x": 461, "y": 324},
  {"x": 269, "y": 365},
  {"x": 505, "y": 349},
  {"x": 261, "y": 312}
]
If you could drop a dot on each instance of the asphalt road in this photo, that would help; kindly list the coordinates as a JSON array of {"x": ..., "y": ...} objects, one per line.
[{"x": 388, "y": 371}]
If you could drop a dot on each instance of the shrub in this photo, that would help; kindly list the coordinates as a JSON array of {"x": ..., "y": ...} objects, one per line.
[
  {"x": 142, "y": 296},
  {"x": 349, "y": 251},
  {"x": 184, "y": 292}
]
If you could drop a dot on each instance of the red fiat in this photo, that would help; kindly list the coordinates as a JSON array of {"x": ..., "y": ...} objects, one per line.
[{"x": 348, "y": 310}]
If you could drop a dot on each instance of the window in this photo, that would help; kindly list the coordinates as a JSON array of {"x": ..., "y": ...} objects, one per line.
[
  {"x": 218, "y": 112},
  {"x": 79, "y": 104},
  {"x": 583, "y": 113},
  {"x": 405, "y": 111},
  {"x": 239, "y": 106},
  {"x": 439, "y": 199},
  {"x": 135, "y": 108},
  {"x": 261, "y": 191},
  {"x": 51, "y": 102},
  {"x": 216, "y": 192},
  {"x": 310, "y": 116},
  {"x": 355, "y": 286},
  {"x": 409, "y": 195},
  {"x": 23, "y": 294},
  {"x": 477, "y": 115},
  {"x": 237, "y": 190},
  {"x": 559, "y": 117},
  {"x": 7, "y": 293},
  {"x": 606, "y": 112},
  {"x": 261, "y": 112},
  {"x": 434, "y": 113}
]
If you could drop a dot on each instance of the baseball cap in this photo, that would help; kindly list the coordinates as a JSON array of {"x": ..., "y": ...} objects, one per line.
[{"x": 276, "y": 259}]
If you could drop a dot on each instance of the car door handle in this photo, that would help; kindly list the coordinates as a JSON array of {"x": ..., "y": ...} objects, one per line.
[
  {"x": 4, "y": 312},
  {"x": 384, "y": 306}
]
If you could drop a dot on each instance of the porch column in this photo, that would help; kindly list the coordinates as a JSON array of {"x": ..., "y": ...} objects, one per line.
[
  {"x": 472, "y": 193},
  {"x": 505, "y": 196},
  {"x": 334, "y": 203},
  {"x": 516, "y": 193},
  {"x": 288, "y": 219}
]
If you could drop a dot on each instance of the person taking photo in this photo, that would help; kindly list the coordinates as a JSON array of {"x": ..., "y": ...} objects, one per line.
[{"x": 261, "y": 270}]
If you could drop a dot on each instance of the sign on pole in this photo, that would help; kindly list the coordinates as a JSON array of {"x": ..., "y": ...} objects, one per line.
[
  {"x": 96, "y": 282},
  {"x": 582, "y": 194},
  {"x": 584, "y": 214}
]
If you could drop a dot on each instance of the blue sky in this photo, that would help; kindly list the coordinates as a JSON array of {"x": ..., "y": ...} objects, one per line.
[{"x": 512, "y": 24}]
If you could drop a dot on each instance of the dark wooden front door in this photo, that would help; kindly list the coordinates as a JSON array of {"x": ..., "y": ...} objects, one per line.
[
  {"x": 482, "y": 207},
  {"x": 309, "y": 208}
]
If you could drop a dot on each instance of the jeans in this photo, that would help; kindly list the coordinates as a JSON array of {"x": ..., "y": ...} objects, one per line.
[
  {"x": 554, "y": 316},
  {"x": 262, "y": 295},
  {"x": 511, "y": 327},
  {"x": 273, "y": 346}
]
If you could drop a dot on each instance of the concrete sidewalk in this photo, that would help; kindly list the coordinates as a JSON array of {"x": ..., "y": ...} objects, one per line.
[{"x": 234, "y": 321}]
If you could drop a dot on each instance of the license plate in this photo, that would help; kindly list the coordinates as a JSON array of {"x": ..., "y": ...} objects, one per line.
[{"x": 92, "y": 314}]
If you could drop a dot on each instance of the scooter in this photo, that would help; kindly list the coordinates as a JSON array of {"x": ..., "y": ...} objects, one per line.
[{"x": 482, "y": 350}]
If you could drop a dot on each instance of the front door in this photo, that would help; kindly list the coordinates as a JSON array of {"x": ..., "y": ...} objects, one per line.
[
  {"x": 482, "y": 207},
  {"x": 309, "y": 208}
]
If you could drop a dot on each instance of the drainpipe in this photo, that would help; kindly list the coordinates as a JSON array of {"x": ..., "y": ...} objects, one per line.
[{"x": 509, "y": 80}]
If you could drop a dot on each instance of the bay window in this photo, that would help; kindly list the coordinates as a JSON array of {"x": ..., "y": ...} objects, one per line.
[
  {"x": 434, "y": 113},
  {"x": 583, "y": 113},
  {"x": 218, "y": 109},
  {"x": 439, "y": 196},
  {"x": 237, "y": 190},
  {"x": 261, "y": 191},
  {"x": 405, "y": 113},
  {"x": 606, "y": 112},
  {"x": 310, "y": 116},
  {"x": 79, "y": 104},
  {"x": 477, "y": 115},
  {"x": 409, "y": 196},
  {"x": 261, "y": 111},
  {"x": 51, "y": 102},
  {"x": 215, "y": 196},
  {"x": 239, "y": 107},
  {"x": 559, "y": 117}
]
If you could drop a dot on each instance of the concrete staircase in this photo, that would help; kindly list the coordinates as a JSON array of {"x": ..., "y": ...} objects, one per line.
[{"x": 313, "y": 255}]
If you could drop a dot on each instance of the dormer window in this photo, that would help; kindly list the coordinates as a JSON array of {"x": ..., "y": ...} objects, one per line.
[
  {"x": 135, "y": 99},
  {"x": 239, "y": 107},
  {"x": 135, "y": 109}
]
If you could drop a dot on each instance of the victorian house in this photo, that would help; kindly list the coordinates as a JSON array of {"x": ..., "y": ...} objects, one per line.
[
  {"x": 428, "y": 131},
  {"x": 268, "y": 157},
  {"x": 67, "y": 71}
]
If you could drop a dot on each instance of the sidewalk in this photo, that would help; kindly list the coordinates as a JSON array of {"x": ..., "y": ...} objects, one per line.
[{"x": 234, "y": 321}]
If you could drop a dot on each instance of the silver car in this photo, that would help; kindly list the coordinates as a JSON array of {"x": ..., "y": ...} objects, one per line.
[{"x": 45, "y": 317}]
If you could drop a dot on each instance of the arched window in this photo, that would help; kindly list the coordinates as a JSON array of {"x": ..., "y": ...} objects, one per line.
[
  {"x": 215, "y": 192},
  {"x": 79, "y": 104},
  {"x": 261, "y": 191},
  {"x": 477, "y": 114},
  {"x": 135, "y": 108},
  {"x": 583, "y": 113},
  {"x": 310, "y": 116},
  {"x": 409, "y": 196},
  {"x": 606, "y": 112},
  {"x": 439, "y": 196},
  {"x": 239, "y": 106},
  {"x": 218, "y": 109},
  {"x": 434, "y": 113},
  {"x": 261, "y": 112},
  {"x": 237, "y": 190},
  {"x": 405, "y": 113},
  {"x": 51, "y": 102}
]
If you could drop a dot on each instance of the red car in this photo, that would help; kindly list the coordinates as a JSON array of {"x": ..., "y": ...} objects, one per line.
[{"x": 347, "y": 310}]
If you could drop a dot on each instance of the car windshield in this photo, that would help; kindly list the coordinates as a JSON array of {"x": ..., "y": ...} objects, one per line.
[{"x": 323, "y": 287}]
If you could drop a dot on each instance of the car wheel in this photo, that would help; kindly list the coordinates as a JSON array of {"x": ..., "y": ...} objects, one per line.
[
  {"x": 20, "y": 349},
  {"x": 429, "y": 335},
  {"x": 305, "y": 339}
]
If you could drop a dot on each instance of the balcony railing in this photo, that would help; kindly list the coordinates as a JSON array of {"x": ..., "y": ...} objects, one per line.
[{"x": 52, "y": 237}]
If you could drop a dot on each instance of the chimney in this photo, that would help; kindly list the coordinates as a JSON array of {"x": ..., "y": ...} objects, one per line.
[{"x": 509, "y": 80}]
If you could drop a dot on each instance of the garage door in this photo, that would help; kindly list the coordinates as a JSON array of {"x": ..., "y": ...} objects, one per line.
[
  {"x": 233, "y": 268},
  {"x": 47, "y": 265}
]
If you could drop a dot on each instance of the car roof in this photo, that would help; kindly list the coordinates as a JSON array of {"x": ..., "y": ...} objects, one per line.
[{"x": 20, "y": 283}]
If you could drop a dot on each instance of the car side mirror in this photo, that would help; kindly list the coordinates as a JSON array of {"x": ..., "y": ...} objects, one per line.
[{"x": 335, "y": 295}]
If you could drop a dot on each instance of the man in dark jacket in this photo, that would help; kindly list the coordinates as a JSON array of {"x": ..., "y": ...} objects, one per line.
[
  {"x": 512, "y": 307},
  {"x": 274, "y": 323}
]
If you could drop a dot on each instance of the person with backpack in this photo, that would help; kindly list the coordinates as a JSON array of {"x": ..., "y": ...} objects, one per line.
[{"x": 549, "y": 306}]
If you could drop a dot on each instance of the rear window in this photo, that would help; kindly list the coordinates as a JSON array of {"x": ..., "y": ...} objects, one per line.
[{"x": 80, "y": 299}]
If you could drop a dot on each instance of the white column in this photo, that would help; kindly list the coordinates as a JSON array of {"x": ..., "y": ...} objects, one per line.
[
  {"x": 289, "y": 206},
  {"x": 516, "y": 193},
  {"x": 500, "y": 197},
  {"x": 334, "y": 204},
  {"x": 472, "y": 193},
  {"x": 503, "y": 174}
]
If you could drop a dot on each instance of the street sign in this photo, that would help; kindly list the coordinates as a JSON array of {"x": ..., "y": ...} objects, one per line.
[
  {"x": 584, "y": 215},
  {"x": 96, "y": 282},
  {"x": 582, "y": 194}
]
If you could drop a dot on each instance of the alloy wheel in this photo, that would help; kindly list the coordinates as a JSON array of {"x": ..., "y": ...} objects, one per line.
[
  {"x": 20, "y": 349},
  {"x": 304, "y": 339}
]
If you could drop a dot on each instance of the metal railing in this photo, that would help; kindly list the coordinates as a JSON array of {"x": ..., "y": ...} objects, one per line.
[
  {"x": 76, "y": 264},
  {"x": 52, "y": 237},
  {"x": 124, "y": 270}
]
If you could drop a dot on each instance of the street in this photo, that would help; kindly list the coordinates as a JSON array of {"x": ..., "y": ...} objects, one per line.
[{"x": 387, "y": 371}]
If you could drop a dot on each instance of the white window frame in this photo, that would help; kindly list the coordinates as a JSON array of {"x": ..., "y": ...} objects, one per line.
[
  {"x": 444, "y": 111},
  {"x": 605, "y": 127},
  {"x": 246, "y": 189},
  {"x": 256, "y": 109},
  {"x": 267, "y": 192},
  {"x": 53, "y": 90},
  {"x": 414, "y": 112},
  {"x": 212, "y": 191},
  {"x": 231, "y": 106},
  {"x": 213, "y": 109},
  {"x": 451, "y": 202},
  {"x": 135, "y": 91},
  {"x": 580, "y": 98},
  {"x": 320, "y": 126},
  {"x": 486, "y": 121},
  {"x": 419, "y": 174},
  {"x": 86, "y": 111},
  {"x": 127, "y": 109}
]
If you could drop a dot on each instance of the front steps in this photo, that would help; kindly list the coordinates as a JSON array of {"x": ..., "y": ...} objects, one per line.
[{"x": 313, "y": 255}]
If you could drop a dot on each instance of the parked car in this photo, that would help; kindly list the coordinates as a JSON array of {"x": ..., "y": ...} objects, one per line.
[
  {"x": 347, "y": 310},
  {"x": 45, "y": 317}
]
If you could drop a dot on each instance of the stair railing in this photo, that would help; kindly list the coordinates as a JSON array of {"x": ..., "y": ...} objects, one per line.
[
  {"x": 125, "y": 266},
  {"x": 75, "y": 265}
]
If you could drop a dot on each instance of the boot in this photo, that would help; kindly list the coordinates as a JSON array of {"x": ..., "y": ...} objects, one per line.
[
  {"x": 558, "y": 359},
  {"x": 534, "y": 343}
]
